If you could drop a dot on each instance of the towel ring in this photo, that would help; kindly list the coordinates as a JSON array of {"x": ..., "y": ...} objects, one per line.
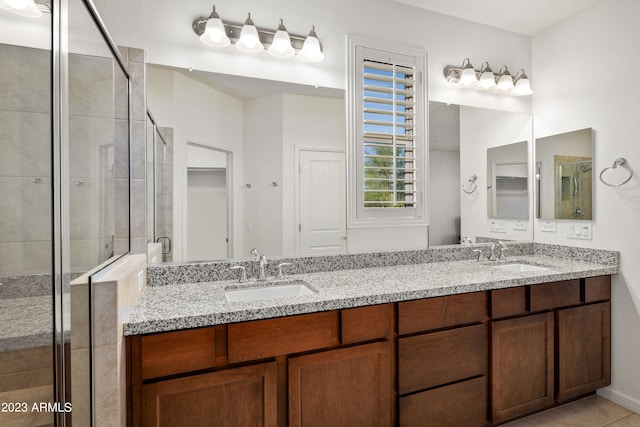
[
  {"x": 620, "y": 161},
  {"x": 473, "y": 184}
]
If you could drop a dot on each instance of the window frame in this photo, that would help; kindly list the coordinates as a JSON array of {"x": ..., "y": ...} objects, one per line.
[{"x": 362, "y": 49}]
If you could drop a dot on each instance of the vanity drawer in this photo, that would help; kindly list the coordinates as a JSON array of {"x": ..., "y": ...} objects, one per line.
[
  {"x": 508, "y": 302},
  {"x": 548, "y": 296},
  {"x": 441, "y": 312},
  {"x": 260, "y": 339},
  {"x": 460, "y": 404},
  {"x": 597, "y": 288},
  {"x": 177, "y": 352},
  {"x": 366, "y": 323},
  {"x": 438, "y": 358}
]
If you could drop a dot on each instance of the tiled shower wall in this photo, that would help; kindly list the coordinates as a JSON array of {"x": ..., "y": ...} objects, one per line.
[{"x": 25, "y": 168}]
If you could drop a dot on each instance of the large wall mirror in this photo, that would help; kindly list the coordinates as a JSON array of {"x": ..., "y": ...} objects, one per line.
[
  {"x": 470, "y": 149},
  {"x": 244, "y": 163},
  {"x": 564, "y": 176}
]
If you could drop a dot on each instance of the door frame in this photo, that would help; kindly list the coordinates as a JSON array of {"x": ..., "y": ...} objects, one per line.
[
  {"x": 296, "y": 203},
  {"x": 230, "y": 195}
]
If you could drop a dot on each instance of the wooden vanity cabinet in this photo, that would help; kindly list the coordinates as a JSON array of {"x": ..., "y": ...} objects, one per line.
[
  {"x": 243, "y": 396},
  {"x": 325, "y": 368},
  {"x": 442, "y": 361},
  {"x": 522, "y": 367},
  {"x": 467, "y": 360},
  {"x": 550, "y": 343}
]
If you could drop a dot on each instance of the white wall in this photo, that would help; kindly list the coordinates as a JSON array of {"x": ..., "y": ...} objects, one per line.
[
  {"x": 576, "y": 88},
  {"x": 310, "y": 122},
  {"x": 481, "y": 129},
  {"x": 201, "y": 115},
  {"x": 171, "y": 41},
  {"x": 263, "y": 135}
]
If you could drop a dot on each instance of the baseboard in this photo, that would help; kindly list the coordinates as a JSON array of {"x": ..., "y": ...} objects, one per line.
[{"x": 620, "y": 398}]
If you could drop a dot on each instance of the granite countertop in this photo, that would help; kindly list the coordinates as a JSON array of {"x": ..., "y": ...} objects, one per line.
[{"x": 190, "y": 305}]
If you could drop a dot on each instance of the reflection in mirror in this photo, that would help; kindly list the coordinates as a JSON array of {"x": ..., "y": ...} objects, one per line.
[
  {"x": 564, "y": 178},
  {"x": 507, "y": 175},
  {"x": 280, "y": 183},
  {"x": 444, "y": 174},
  {"x": 460, "y": 138}
]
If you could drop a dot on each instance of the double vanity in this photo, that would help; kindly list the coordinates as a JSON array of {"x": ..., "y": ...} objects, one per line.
[{"x": 376, "y": 339}]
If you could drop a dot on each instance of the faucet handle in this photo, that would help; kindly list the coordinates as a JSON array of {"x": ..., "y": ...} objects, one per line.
[
  {"x": 478, "y": 253},
  {"x": 254, "y": 252},
  {"x": 243, "y": 273},
  {"x": 280, "y": 275},
  {"x": 502, "y": 248}
]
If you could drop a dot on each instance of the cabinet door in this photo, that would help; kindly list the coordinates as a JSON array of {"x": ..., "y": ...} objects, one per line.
[
  {"x": 345, "y": 387},
  {"x": 235, "y": 397},
  {"x": 521, "y": 365},
  {"x": 584, "y": 349}
]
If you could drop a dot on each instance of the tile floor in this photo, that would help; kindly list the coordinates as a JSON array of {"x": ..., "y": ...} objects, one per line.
[{"x": 592, "y": 411}]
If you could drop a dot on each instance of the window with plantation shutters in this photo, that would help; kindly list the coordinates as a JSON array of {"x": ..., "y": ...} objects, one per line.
[
  {"x": 387, "y": 134},
  {"x": 389, "y": 148}
]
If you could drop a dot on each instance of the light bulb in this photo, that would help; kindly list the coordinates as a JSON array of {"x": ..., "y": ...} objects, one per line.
[
  {"x": 26, "y": 8},
  {"x": 487, "y": 79},
  {"x": 281, "y": 45},
  {"x": 215, "y": 34},
  {"x": 311, "y": 50},
  {"x": 505, "y": 81},
  {"x": 249, "y": 40},
  {"x": 468, "y": 76},
  {"x": 522, "y": 85}
]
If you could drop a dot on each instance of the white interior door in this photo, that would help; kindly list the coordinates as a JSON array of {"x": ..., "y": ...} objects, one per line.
[{"x": 322, "y": 204}]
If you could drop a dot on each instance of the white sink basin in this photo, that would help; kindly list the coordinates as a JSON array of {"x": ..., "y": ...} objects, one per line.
[
  {"x": 281, "y": 290},
  {"x": 518, "y": 267}
]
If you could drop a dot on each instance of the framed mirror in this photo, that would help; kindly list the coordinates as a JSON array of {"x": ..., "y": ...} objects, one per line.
[
  {"x": 463, "y": 143},
  {"x": 564, "y": 176}
]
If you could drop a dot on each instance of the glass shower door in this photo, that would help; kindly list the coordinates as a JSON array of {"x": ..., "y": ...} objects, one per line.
[
  {"x": 574, "y": 190},
  {"x": 26, "y": 281}
]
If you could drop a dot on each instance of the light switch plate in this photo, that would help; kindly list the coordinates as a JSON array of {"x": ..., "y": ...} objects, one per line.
[{"x": 579, "y": 230}]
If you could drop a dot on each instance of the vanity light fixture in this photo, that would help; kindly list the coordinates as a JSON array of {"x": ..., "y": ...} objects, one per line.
[
  {"x": 26, "y": 8},
  {"x": 281, "y": 45},
  {"x": 522, "y": 87},
  {"x": 504, "y": 81},
  {"x": 311, "y": 49},
  {"x": 485, "y": 79},
  {"x": 248, "y": 38},
  {"x": 215, "y": 35}
]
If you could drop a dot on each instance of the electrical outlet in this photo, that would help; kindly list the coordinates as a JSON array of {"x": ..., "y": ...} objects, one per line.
[
  {"x": 549, "y": 226},
  {"x": 497, "y": 226},
  {"x": 520, "y": 225}
]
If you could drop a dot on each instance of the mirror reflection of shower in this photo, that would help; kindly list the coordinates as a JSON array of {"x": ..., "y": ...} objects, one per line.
[{"x": 574, "y": 191}]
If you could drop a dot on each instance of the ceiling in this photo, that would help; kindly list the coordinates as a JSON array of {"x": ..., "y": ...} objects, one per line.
[
  {"x": 528, "y": 17},
  {"x": 244, "y": 88}
]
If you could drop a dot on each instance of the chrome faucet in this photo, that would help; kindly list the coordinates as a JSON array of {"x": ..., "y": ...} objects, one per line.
[
  {"x": 262, "y": 263},
  {"x": 502, "y": 248}
]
